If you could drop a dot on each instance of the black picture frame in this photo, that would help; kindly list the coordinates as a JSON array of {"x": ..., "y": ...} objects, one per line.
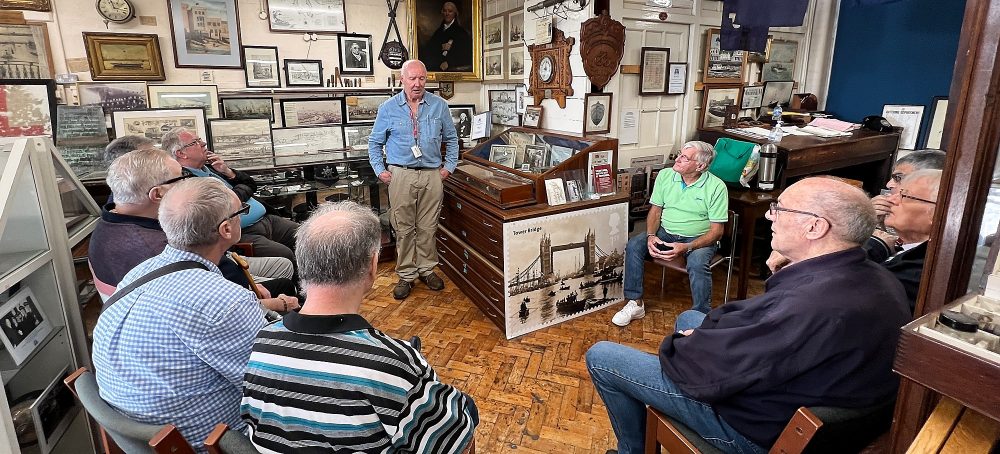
[
  {"x": 50, "y": 91},
  {"x": 645, "y": 66},
  {"x": 246, "y": 68},
  {"x": 593, "y": 111},
  {"x": 455, "y": 110},
  {"x": 933, "y": 135},
  {"x": 312, "y": 66},
  {"x": 350, "y": 66},
  {"x": 779, "y": 92}
]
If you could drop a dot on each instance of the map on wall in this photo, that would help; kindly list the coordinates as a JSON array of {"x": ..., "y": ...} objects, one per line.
[{"x": 311, "y": 16}]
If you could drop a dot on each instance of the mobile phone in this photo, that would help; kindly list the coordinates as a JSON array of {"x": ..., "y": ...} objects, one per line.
[{"x": 664, "y": 248}]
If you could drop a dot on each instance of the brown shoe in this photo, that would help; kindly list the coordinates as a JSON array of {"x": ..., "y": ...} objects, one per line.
[
  {"x": 433, "y": 281},
  {"x": 402, "y": 289}
]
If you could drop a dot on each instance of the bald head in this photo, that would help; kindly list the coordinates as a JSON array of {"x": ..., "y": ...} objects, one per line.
[
  {"x": 819, "y": 216},
  {"x": 336, "y": 246},
  {"x": 848, "y": 208}
]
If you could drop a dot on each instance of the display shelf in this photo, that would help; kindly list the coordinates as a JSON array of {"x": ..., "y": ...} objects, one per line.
[
  {"x": 15, "y": 266},
  {"x": 9, "y": 369}
]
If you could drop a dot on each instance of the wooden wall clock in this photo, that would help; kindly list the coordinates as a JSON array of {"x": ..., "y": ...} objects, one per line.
[{"x": 551, "y": 76}]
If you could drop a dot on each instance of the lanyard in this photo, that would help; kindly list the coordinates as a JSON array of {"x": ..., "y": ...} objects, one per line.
[{"x": 416, "y": 125}]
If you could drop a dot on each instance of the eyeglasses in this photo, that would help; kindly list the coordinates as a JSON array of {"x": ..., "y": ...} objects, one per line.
[
  {"x": 774, "y": 209},
  {"x": 903, "y": 195},
  {"x": 898, "y": 177},
  {"x": 683, "y": 158},
  {"x": 194, "y": 142},
  {"x": 185, "y": 174},
  {"x": 244, "y": 210}
]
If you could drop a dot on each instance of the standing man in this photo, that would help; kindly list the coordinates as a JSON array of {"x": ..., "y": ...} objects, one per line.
[{"x": 410, "y": 128}]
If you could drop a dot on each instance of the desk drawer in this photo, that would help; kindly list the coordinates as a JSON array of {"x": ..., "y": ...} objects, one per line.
[
  {"x": 487, "y": 278},
  {"x": 474, "y": 226},
  {"x": 484, "y": 304}
]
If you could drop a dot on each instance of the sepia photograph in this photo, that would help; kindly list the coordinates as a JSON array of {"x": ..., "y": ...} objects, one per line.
[
  {"x": 777, "y": 93},
  {"x": 26, "y": 53},
  {"x": 493, "y": 65},
  {"x": 206, "y": 33},
  {"x": 112, "y": 96},
  {"x": 714, "y": 103},
  {"x": 260, "y": 67},
  {"x": 32, "y": 109},
  {"x": 448, "y": 37},
  {"x": 311, "y": 112},
  {"x": 303, "y": 73},
  {"x": 356, "y": 136},
  {"x": 184, "y": 97},
  {"x": 154, "y": 123},
  {"x": 361, "y": 109},
  {"x": 355, "y": 54},
  {"x": 315, "y": 16},
  {"x": 493, "y": 33},
  {"x": 247, "y": 108},
  {"x": 533, "y": 116},
  {"x": 243, "y": 143}
]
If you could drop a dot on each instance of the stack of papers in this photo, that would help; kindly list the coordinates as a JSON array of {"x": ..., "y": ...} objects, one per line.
[
  {"x": 834, "y": 124},
  {"x": 823, "y": 132}
]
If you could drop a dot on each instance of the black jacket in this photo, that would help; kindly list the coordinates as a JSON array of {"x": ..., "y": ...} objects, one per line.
[{"x": 907, "y": 266}]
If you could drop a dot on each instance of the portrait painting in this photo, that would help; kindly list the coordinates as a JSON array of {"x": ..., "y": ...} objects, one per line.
[
  {"x": 113, "y": 96},
  {"x": 206, "y": 33},
  {"x": 462, "y": 115},
  {"x": 448, "y": 38},
  {"x": 355, "y": 54}
]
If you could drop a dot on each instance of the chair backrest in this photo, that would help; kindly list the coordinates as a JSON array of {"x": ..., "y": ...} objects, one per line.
[
  {"x": 224, "y": 441},
  {"x": 126, "y": 435},
  {"x": 104, "y": 289}
]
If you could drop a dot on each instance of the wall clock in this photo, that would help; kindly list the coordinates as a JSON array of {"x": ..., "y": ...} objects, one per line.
[
  {"x": 551, "y": 76},
  {"x": 117, "y": 11}
]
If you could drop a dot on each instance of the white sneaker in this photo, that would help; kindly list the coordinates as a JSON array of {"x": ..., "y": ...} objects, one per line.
[{"x": 631, "y": 311}]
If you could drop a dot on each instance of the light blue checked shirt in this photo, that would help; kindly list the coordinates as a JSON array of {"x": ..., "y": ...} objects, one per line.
[
  {"x": 394, "y": 131},
  {"x": 175, "y": 349}
]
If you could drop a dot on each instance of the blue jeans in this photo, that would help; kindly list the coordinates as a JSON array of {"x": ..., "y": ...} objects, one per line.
[
  {"x": 628, "y": 379},
  {"x": 637, "y": 252}
]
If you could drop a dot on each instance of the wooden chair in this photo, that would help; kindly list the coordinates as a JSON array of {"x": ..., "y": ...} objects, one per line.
[
  {"x": 811, "y": 430},
  {"x": 224, "y": 441},
  {"x": 120, "y": 434},
  {"x": 680, "y": 263}
]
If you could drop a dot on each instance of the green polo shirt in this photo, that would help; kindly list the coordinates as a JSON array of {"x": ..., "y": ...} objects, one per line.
[{"x": 689, "y": 209}]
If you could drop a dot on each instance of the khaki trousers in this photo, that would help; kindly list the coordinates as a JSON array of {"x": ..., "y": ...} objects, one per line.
[{"x": 414, "y": 207}]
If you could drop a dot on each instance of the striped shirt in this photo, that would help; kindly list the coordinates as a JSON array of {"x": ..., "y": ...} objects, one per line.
[{"x": 335, "y": 384}]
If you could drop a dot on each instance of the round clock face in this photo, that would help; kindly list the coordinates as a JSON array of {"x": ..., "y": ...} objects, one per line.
[
  {"x": 116, "y": 10},
  {"x": 545, "y": 69}
]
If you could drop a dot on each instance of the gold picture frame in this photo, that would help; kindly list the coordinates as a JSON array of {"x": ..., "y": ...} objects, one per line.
[
  {"x": 28, "y": 46},
  {"x": 426, "y": 33},
  {"x": 124, "y": 56},
  {"x": 33, "y": 5}
]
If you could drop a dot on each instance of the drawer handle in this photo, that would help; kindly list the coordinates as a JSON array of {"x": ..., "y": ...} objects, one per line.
[
  {"x": 495, "y": 282},
  {"x": 464, "y": 234},
  {"x": 458, "y": 205},
  {"x": 487, "y": 224},
  {"x": 494, "y": 257},
  {"x": 441, "y": 218},
  {"x": 493, "y": 240},
  {"x": 465, "y": 252},
  {"x": 465, "y": 268},
  {"x": 442, "y": 237},
  {"x": 494, "y": 299}
]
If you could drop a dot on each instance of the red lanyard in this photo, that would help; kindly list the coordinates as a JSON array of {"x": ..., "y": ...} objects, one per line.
[{"x": 416, "y": 127}]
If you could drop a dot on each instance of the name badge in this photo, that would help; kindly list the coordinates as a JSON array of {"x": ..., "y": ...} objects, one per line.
[{"x": 416, "y": 151}]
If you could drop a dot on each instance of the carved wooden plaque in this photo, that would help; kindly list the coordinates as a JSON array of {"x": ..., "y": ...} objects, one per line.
[
  {"x": 551, "y": 75},
  {"x": 602, "y": 44}
]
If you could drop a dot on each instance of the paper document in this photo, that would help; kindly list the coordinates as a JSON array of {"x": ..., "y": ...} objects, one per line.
[
  {"x": 823, "y": 132},
  {"x": 834, "y": 124}
]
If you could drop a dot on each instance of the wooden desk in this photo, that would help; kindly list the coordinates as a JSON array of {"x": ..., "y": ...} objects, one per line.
[{"x": 750, "y": 206}]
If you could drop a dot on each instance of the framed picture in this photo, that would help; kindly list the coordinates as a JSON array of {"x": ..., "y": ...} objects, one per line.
[
  {"x": 260, "y": 66},
  {"x": 356, "y": 136},
  {"x": 597, "y": 114},
  {"x": 243, "y": 143},
  {"x": 493, "y": 33},
  {"x": 312, "y": 112},
  {"x": 503, "y": 155},
  {"x": 782, "y": 50},
  {"x": 533, "y": 116},
  {"x": 80, "y": 126},
  {"x": 515, "y": 62},
  {"x": 247, "y": 108},
  {"x": 535, "y": 156},
  {"x": 362, "y": 109},
  {"x": 33, "y": 5},
  {"x": 23, "y": 325},
  {"x": 114, "y": 96},
  {"x": 452, "y": 53},
  {"x": 515, "y": 27},
  {"x": 934, "y": 133},
  {"x": 306, "y": 140},
  {"x": 206, "y": 33},
  {"x": 316, "y": 16},
  {"x": 185, "y": 97},
  {"x": 777, "y": 93},
  {"x": 154, "y": 123},
  {"x": 303, "y": 73},
  {"x": 721, "y": 66},
  {"x": 493, "y": 65},
  {"x": 32, "y": 107},
  {"x": 653, "y": 63},
  {"x": 714, "y": 102},
  {"x": 677, "y": 78},
  {"x": 26, "y": 51},
  {"x": 908, "y": 117},
  {"x": 461, "y": 115},
  {"x": 776, "y": 71},
  {"x": 503, "y": 107},
  {"x": 53, "y": 411},
  {"x": 752, "y": 97},
  {"x": 124, "y": 56},
  {"x": 355, "y": 54}
]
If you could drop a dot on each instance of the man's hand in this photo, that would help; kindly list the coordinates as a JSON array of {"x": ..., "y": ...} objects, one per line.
[
  {"x": 678, "y": 249},
  {"x": 385, "y": 176},
  {"x": 444, "y": 173},
  {"x": 220, "y": 166},
  {"x": 776, "y": 261},
  {"x": 882, "y": 205},
  {"x": 447, "y": 46},
  {"x": 262, "y": 291},
  {"x": 282, "y": 303},
  {"x": 888, "y": 238}
]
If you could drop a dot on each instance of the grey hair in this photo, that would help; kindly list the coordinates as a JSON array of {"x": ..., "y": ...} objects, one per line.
[
  {"x": 337, "y": 253},
  {"x": 125, "y": 144},
  {"x": 171, "y": 141},
  {"x": 133, "y": 174},
  {"x": 931, "y": 177},
  {"x": 192, "y": 210},
  {"x": 924, "y": 159},
  {"x": 706, "y": 152},
  {"x": 408, "y": 63},
  {"x": 848, "y": 209}
]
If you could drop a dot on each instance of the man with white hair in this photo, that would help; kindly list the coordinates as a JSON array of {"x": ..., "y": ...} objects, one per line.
[
  {"x": 689, "y": 207},
  {"x": 738, "y": 374},
  {"x": 404, "y": 150},
  {"x": 171, "y": 346}
]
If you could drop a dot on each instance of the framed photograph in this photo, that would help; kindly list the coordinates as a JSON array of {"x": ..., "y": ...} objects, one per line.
[
  {"x": 493, "y": 33},
  {"x": 714, "y": 102},
  {"x": 934, "y": 133},
  {"x": 26, "y": 51},
  {"x": 533, "y": 116},
  {"x": 503, "y": 107},
  {"x": 312, "y": 112},
  {"x": 515, "y": 27},
  {"x": 32, "y": 107},
  {"x": 247, "y": 108},
  {"x": 721, "y": 66},
  {"x": 558, "y": 154},
  {"x": 752, "y": 97},
  {"x": 782, "y": 50},
  {"x": 362, "y": 109},
  {"x": 306, "y": 140},
  {"x": 206, "y": 33},
  {"x": 503, "y": 155},
  {"x": 260, "y": 67},
  {"x": 535, "y": 156},
  {"x": 185, "y": 97},
  {"x": 452, "y": 53},
  {"x": 777, "y": 93},
  {"x": 461, "y": 115},
  {"x": 776, "y": 71},
  {"x": 653, "y": 64},
  {"x": 23, "y": 325},
  {"x": 315, "y": 16},
  {"x": 303, "y": 73},
  {"x": 909, "y": 118},
  {"x": 80, "y": 126},
  {"x": 124, "y": 56},
  {"x": 355, "y": 54},
  {"x": 33, "y": 5},
  {"x": 597, "y": 113},
  {"x": 356, "y": 136},
  {"x": 677, "y": 78},
  {"x": 573, "y": 191},
  {"x": 243, "y": 143},
  {"x": 515, "y": 62},
  {"x": 493, "y": 65},
  {"x": 154, "y": 123},
  {"x": 114, "y": 96},
  {"x": 53, "y": 411}
]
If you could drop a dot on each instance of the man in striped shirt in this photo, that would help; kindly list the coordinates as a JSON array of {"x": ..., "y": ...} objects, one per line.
[{"x": 324, "y": 380}]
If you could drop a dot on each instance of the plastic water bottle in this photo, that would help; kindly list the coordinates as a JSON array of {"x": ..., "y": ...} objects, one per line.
[{"x": 776, "y": 115}]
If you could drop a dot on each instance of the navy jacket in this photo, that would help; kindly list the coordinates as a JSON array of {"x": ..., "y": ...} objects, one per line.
[
  {"x": 823, "y": 334},
  {"x": 907, "y": 266}
]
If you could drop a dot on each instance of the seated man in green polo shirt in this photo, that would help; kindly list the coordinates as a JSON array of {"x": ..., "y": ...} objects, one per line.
[{"x": 689, "y": 208}]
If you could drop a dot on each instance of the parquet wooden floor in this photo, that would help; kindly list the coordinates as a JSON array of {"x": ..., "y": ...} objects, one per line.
[{"x": 533, "y": 392}]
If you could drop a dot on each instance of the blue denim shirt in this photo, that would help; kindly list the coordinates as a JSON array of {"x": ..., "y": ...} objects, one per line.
[{"x": 394, "y": 130}]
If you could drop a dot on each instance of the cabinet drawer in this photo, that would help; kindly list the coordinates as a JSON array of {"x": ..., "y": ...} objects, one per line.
[
  {"x": 483, "y": 303},
  {"x": 473, "y": 226},
  {"x": 477, "y": 271}
]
